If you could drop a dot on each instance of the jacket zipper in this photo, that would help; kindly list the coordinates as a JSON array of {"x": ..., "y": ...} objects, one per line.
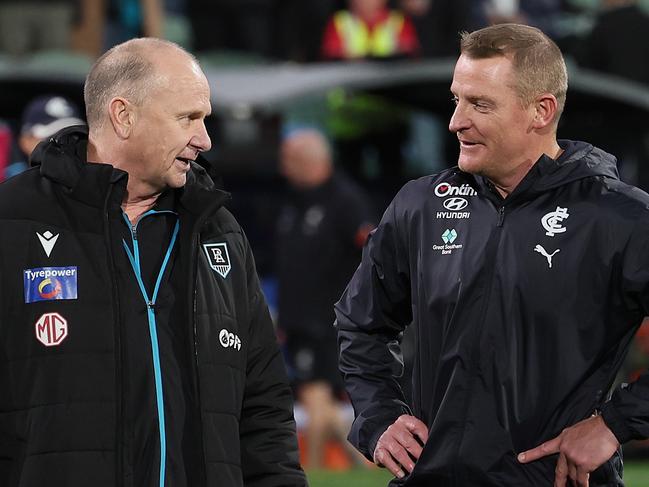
[
  {"x": 491, "y": 256},
  {"x": 501, "y": 215},
  {"x": 134, "y": 259},
  {"x": 119, "y": 397}
]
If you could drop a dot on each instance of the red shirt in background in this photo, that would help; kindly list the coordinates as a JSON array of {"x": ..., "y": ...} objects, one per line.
[{"x": 389, "y": 34}]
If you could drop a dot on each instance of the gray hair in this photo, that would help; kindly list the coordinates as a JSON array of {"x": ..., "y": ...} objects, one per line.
[{"x": 124, "y": 70}]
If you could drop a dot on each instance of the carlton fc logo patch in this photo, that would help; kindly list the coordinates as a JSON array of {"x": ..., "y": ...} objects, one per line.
[
  {"x": 50, "y": 283},
  {"x": 218, "y": 257}
]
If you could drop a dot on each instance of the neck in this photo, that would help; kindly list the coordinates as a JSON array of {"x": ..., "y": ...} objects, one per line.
[
  {"x": 507, "y": 184},
  {"x": 139, "y": 197},
  {"x": 135, "y": 206}
]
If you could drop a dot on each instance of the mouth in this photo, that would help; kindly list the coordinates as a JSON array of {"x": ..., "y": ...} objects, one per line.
[
  {"x": 185, "y": 160},
  {"x": 467, "y": 144}
]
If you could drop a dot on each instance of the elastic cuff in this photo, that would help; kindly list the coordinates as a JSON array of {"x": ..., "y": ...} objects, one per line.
[{"x": 616, "y": 422}]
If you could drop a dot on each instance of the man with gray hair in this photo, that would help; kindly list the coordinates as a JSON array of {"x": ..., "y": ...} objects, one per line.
[
  {"x": 523, "y": 275},
  {"x": 138, "y": 349}
]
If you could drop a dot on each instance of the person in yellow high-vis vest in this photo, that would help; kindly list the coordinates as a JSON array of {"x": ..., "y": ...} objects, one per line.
[
  {"x": 369, "y": 29},
  {"x": 368, "y": 131}
]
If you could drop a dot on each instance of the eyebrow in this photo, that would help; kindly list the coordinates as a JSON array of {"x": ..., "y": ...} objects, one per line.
[{"x": 194, "y": 113}]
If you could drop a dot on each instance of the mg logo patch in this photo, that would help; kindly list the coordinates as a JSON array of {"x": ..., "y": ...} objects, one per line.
[
  {"x": 51, "y": 329},
  {"x": 218, "y": 257}
]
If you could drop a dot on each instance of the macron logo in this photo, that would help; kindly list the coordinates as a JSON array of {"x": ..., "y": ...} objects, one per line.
[{"x": 48, "y": 240}]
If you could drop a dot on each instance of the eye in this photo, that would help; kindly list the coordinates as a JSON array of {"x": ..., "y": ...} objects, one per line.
[
  {"x": 455, "y": 100},
  {"x": 480, "y": 106}
]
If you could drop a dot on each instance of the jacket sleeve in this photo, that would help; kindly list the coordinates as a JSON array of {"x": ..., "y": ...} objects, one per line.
[
  {"x": 627, "y": 412},
  {"x": 371, "y": 316},
  {"x": 269, "y": 451}
]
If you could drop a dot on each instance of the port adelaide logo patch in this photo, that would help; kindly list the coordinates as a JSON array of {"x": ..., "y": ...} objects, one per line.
[
  {"x": 454, "y": 200},
  {"x": 218, "y": 257}
]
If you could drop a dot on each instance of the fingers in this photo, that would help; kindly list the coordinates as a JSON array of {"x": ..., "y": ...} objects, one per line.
[
  {"x": 415, "y": 426},
  {"x": 582, "y": 478},
  {"x": 582, "y": 448},
  {"x": 401, "y": 445},
  {"x": 548, "y": 448},
  {"x": 384, "y": 459},
  {"x": 561, "y": 472}
]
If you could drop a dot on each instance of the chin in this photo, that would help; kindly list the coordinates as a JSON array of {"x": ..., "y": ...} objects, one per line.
[
  {"x": 177, "y": 182},
  {"x": 470, "y": 166}
]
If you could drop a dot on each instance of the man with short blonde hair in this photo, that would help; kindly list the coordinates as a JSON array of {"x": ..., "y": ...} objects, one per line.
[
  {"x": 536, "y": 59},
  {"x": 523, "y": 275}
]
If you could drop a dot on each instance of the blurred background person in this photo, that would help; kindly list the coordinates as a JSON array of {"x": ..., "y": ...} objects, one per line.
[
  {"x": 369, "y": 29},
  {"x": 105, "y": 23},
  {"x": 31, "y": 25},
  {"x": 617, "y": 45},
  {"x": 42, "y": 117},
  {"x": 320, "y": 232},
  {"x": 369, "y": 132},
  {"x": 299, "y": 26},
  {"x": 232, "y": 25},
  {"x": 437, "y": 23},
  {"x": 542, "y": 14},
  {"x": 5, "y": 148},
  {"x": 126, "y": 19}
]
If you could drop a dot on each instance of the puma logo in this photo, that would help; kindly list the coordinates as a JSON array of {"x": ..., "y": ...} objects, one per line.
[{"x": 545, "y": 254}]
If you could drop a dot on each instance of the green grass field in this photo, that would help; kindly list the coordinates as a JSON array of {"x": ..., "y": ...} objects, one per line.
[{"x": 636, "y": 474}]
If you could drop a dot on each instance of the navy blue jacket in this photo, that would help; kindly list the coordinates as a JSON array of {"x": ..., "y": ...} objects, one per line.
[{"x": 522, "y": 310}]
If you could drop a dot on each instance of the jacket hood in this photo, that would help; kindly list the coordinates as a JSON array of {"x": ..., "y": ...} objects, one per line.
[
  {"x": 63, "y": 158},
  {"x": 579, "y": 160}
]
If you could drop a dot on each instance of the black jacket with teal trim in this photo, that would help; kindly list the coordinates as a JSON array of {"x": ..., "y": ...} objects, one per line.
[
  {"x": 521, "y": 310},
  {"x": 61, "y": 399}
]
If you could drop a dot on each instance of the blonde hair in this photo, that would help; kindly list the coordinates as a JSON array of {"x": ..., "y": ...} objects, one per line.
[{"x": 537, "y": 61}]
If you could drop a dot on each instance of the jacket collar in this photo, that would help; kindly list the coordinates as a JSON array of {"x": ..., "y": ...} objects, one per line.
[
  {"x": 578, "y": 161},
  {"x": 201, "y": 192},
  {"x": 62, "y": 159}
]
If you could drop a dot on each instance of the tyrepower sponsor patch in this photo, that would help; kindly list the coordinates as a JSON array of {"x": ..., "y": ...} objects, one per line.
[{"x": 50, "y": 283}]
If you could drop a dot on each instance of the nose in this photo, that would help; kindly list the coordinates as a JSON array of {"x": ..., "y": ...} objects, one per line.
[
  {"x": 459, "y": 120},
  {"x": 201, "y": 140}
]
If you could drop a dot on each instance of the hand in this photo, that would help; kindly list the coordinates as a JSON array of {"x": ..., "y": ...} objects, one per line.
[
  {"x": 582, "y": 448},
  {"x": 400, "y": 444}
]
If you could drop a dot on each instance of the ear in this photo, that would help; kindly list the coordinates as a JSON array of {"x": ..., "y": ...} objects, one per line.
[
  {"x": 122, "y": 116},
  {"x": 545, "y": 109}
]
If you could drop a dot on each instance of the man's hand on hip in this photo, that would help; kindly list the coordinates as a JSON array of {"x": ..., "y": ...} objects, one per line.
[
  {"x": 401, "y": 444},
  {"x": 582, "y": 448}
]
